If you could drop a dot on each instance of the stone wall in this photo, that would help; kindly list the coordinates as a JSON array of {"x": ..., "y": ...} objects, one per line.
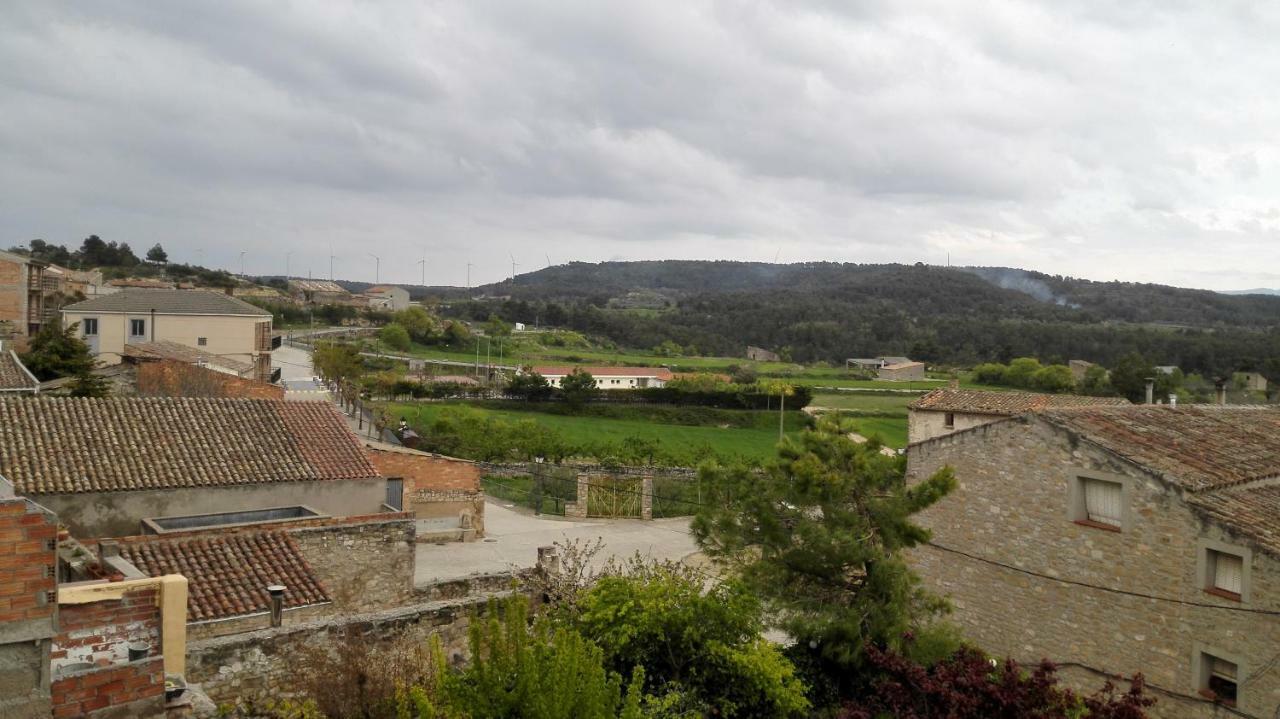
[
  {"x": 28, "y": 614},
  {"x": 264, "y": 664},
  {"x": 923, "y": 424},
  {"x": 120, "y": 691},
  {"x": 435, "y": 487},
  {"x": 1135, "y": 601},
  {"x": 171, "y": 378},
  {"x": 365, "y": 566}
]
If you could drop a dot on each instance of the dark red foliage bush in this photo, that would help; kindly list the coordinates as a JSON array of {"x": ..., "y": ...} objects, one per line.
[{"x": 968, "y": 686}]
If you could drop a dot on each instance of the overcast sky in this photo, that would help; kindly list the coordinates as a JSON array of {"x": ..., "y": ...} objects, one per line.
[{"x": 1132, "y": 140}]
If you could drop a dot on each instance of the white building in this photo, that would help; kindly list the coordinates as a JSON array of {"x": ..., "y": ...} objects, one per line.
[
  {"x": 397, "y": 297},
  {"x": 611, "y": 377}
]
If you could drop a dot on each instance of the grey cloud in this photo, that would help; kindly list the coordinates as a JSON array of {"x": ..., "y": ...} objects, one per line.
[{"x": 1076, "y": 138}]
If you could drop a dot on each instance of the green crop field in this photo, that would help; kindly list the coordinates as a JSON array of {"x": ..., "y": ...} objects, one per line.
[
  {"x": 865, "y": 401},
  {"x": 752, "y": 443}
]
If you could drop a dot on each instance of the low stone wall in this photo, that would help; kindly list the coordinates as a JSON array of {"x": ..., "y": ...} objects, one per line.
[
  {"x": 365, "y": 566},
  {"x": 261, "y": 665},
  {"x": 473, "y": 585}
]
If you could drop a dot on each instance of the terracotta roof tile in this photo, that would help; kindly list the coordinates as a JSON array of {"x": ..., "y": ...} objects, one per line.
[
  {"x": 14, "y": 375},
  {"x": 228, "y": 573},
  {"x": 66, "y": 444},
  {"x": 165, "y": 349},
  {"x": 169, "y": 302},
  {"x": 1200, "y": 447},
  {"x": 1007, "y": 404}
]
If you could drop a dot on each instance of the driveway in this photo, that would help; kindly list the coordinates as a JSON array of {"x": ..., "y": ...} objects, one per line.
[
  {"x": 513, "y": 537},
  {"x": 294, "y": 363}
]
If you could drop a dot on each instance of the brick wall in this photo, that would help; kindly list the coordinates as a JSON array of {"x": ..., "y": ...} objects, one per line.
[
  {"x": 435, "y": 487},
  {"x": 1011, "y": 507},
  {"x": 27, "y": 616},
  {"x": 132, "y": 689},
  {"x": 13, "y": 296},
  {"x": 171, "y": 378},
  {"x": 101, "y": 631}
]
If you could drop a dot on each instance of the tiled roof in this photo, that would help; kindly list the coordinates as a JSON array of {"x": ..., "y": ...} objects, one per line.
[
  {"x": 902, "y": 365},
  {"x": 976, "y": 401},
  {"x": 169, "y": 302},
  {"x": 1250, "y": 510},
  {"x": 164, "y": 349},
  {"x": 69, "y": 444},
  {"x": 1201, "y": 447},
  {"x": 14, "y": 375},
  {"x": 228, "y": 574},
  {"x": 659, "y": 372}
]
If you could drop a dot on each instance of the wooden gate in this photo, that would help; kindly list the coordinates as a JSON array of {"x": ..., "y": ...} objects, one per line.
[{"x": 613, "y": 497}]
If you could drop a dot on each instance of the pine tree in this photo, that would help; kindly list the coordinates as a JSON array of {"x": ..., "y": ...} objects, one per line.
[
  {"x": 57, "y": 352},
  {"x": 157, "y": 255},
  {"x": 820, "y": 536}
]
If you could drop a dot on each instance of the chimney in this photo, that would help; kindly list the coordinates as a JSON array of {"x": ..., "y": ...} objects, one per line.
[
  {"x": 277, "y": 604},
  {"x": 1173, "y": 400},
  {"x": 108, "y": 548},
  {"x": 1151, "y": 390}
]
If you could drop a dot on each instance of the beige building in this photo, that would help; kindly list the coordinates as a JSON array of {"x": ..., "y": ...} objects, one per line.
[
  {"x": 320, "y": 292},
  {"x": 396, "y": 298},
  {"x": 889, "y": 368},
  {"x": 1078, "y": 369},
  {"x": 1115, "y": 540},
  {"x": 948, "y": 410},
  {"x": 21, "y": 296},
  {"x": 209, "y": 322},
  {"x": 1251, "y": 381}
]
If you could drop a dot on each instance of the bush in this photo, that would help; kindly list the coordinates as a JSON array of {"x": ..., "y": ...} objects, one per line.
[
  {"x": 989, "y": 373},
  {"x": 1055, "y": 378},
  {"x": 395, "y": 336}
]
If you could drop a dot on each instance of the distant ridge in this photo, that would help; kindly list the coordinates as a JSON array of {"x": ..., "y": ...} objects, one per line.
[{"x": 1257, "y": 291}]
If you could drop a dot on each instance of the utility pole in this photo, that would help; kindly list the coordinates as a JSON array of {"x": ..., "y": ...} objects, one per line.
[
  {"x": 423, "y": 262},
  {"x": 242, "y": 263},
  {"x": 477, "y": 369},
  {"x": 377, "y": 268},
  {"x": 286, "y": 265},
  {"x": 331, "y": 262},
  {"x": 468, "y": 280}
]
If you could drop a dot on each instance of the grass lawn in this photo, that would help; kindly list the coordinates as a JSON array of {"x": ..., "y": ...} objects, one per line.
[
  {"x": 892, "y": 430},
  {"x": 865, "y": 401},
  {"x": 756, "y": 443}
]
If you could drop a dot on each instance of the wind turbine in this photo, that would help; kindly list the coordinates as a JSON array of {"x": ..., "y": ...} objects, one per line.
[
  {"x": 513, "y": 266},
  {"x": 468, "y": 277},
  {"x": 377, "y": 268},
  {"x": 548, "y": 261},
  {"x": 423, "y": 262}
]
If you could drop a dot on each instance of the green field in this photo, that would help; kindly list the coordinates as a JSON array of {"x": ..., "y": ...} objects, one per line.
[
  {"x": 891, "y": 430},
  {"x": 865, "y": 401},
  {"x": 756, "y": 442}
]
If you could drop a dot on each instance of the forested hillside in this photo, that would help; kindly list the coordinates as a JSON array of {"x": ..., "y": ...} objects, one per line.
[{"x": 830, "y": 311}]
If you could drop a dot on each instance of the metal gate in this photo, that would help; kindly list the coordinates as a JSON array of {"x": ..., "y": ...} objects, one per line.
[
  {"x": 613, "y": 497},
  {"x": 395, "y": 494}
]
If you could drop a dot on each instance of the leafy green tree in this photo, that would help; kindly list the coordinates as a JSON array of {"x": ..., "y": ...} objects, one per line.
[
  {"x": 578, "y": 387},
  {"x": 495, "y": 327},
  {"x": 989, "y": 373},
  {"x": 337, "y": 361},
  {"x": 456, "y": 334},
  {"x": 57, "y": 352},
  {"x": 421, "y": 325},
  {"x": 529, "y": 386},
  {"x": 1021, "y": 371},
  {"x": 157, "y": 255},
  {"x": 1129, "y": 378},
  {"x": 1055, "y": 378},
  {"x": 703, "y": 643},
  {"x": 668, "y": 349},
  {"x": 395, "y": 336},
  {"x": 1096, "y": 382},
  {"x": 819, "y": 535}
]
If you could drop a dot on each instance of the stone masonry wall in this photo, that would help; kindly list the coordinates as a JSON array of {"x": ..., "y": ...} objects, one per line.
[
  {"x": 265, "y": 664},
  {"x": 923, "y": 424},
  {"x": 365, "y": 566},
  {"x": 1011, "y": 507},
  {"x": 170, "y": 378}
]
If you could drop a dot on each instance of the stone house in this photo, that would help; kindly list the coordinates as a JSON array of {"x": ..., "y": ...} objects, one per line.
[
  {"x": 319, "y": 292},
  {"x": 889, "y": 368},
  {"x": 1115, "y": 540},
  {"x": 612, "y": 377},
  {"x": 760, "y": 354},
  {"x": 21, "y": 297},
  {"x": 948, "y": 410},
  {"x": 105, "y": 465},
  {"x": 1078, "y": 369},
  {"x": 1251, "y": 381},
  {"x": 213, "y": 323},
  {"x": 396, "y": 298}
]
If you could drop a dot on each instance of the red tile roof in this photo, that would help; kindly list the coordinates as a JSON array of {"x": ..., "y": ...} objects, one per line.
[
  {"x": 165, "y": 349},
  {"x": 65, "y": 444},
  {"x": 661, "y": 373},
  {"x": 14, "y": 376},
  {"x": 228, "y": 573},
  {"x": 976, "y": 401},
  {"x": 1201, "y": 447}
]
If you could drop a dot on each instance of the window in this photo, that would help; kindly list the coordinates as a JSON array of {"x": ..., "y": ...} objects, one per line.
[
  {"x": 1218, "y": 678},
  {"x": 90, "y": 325},
  {"x": 1224, "y": 570},
  {"x": 950, "y": 420},
  {"x": 1103, "y": 502},
  {"x": 202, "y": 341},
  {"x": 137, "y": 328}
]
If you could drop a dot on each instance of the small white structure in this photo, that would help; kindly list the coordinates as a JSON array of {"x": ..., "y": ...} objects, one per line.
[
  {"x": 394, "y": 298},
  {"x": 519, "y": 327},
  {"x": 611, "y": 377}
]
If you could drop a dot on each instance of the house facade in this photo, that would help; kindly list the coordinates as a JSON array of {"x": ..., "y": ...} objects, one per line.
[
  {"x": 211, "y": 323},
  {"x": 611, "y": 377},
  {"x": 948, "y": 410},
  {"x": 21, "y": 297},
  {"x": 1251, "y": 381},
  {"x": 1115, "y": 540},
  {"x": 396, "y": 298},
  {"x": 889, "y": 368}
]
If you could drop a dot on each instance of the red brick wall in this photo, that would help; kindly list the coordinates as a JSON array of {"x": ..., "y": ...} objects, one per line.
[
  {"x": 86, "y": 694},
  {"x": 28, "y": 562},
  {"x": 426, "y": 472},
  {"x": 170, "y": 378},
  {"x": 103, "y": 630}
]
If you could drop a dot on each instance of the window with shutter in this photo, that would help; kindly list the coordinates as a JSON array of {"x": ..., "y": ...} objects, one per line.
[
  {"x": 1227, "y": 572},
  {"x": 1219, "y": 679},
  {"x": 1103, "y": 502}
]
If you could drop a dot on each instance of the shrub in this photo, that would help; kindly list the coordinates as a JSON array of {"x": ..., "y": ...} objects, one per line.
[
  {"x": 395, "y": 336},
  {"x": 989, "y": 373}
]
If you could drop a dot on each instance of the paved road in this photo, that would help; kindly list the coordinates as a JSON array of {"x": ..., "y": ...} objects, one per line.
[{"x": 517, "y": 535}]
